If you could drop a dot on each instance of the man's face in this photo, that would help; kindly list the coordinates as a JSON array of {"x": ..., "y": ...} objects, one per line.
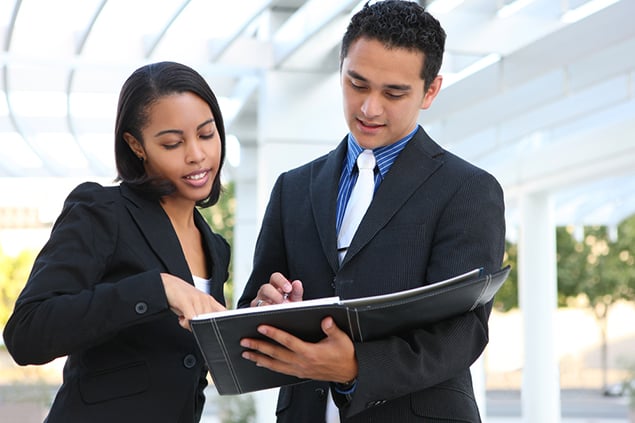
[{"x": 383, "y": 92}]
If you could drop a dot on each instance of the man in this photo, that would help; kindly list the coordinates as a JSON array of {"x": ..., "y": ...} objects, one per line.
[{"x": 432, "y": 216}]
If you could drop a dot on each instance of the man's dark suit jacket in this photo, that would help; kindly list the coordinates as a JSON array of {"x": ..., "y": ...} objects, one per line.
[
  {"x": 434, "y": 216},
  {"x": 95, "y": 294}
]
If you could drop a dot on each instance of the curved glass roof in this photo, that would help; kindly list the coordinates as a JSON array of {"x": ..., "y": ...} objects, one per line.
[{"x": 539, "y": 92}]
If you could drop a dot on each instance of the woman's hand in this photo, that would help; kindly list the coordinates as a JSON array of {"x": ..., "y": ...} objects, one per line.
[{"x": 187, "y": 301}]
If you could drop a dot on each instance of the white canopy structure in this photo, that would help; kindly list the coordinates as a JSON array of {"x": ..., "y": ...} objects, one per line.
[{"x": 541, "y": 93}]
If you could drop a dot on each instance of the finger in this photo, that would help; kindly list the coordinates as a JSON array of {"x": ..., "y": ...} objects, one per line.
[
  {"x": 281, "y": 283},
  {"x": 285, "y": 339},
  {"x": 185, "y": 323},
  {"x": 267, "y": 294},
  {"x": 297, "y": 291},
  {"x": 263, "y": 360}
]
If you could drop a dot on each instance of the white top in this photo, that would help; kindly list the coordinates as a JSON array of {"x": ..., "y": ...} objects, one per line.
[{"x": 202, "y": 283}]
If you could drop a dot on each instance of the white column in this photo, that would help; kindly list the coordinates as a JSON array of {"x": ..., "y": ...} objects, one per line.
[
  {"x": 299, "y": 119},
  {"x": 246, "y": 223},
  {"x": 479, "y": 382},
  {"x": 537, "y": 277}
]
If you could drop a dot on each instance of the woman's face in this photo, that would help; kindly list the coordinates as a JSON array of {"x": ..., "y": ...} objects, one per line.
[{"x": 181, "y": 144}]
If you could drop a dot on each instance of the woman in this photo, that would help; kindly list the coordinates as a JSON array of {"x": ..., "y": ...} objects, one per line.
[{"x": 116, "y": 284}]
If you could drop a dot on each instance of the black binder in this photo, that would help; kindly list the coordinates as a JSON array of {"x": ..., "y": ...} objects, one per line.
[{"x": 364, "y": 319}]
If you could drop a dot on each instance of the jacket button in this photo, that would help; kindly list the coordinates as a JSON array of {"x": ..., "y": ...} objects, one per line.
[
  {"x": 321, "y": 393},
  {"x": 189, "y": 361},
  {"x": 141, "y": 307}
]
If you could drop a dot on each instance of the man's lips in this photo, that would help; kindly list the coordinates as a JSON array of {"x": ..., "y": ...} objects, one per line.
[{"x": 369, "y": 125}]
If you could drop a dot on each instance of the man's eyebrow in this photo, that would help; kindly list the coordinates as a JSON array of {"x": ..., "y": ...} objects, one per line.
[
  {"x": 396, "y": 87},
  {"x": 179, "y": 132}
]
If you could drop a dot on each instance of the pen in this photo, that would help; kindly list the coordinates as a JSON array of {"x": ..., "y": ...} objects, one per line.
[{"x": 285, "y": 296}]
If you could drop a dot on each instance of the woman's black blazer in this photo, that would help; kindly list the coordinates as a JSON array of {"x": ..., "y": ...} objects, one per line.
[{"x": 95, "y": 295}]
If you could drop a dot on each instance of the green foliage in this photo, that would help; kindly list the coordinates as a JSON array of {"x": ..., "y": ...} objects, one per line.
[
  {"x": 595, "y": 270},
  {"x": 236, "y": 409},
  {"x": 507, "y": 296},
  {"x": 221, "y": 217},
  {"x": 14, "y": 272},
  {"x": 600, "y": 270}
]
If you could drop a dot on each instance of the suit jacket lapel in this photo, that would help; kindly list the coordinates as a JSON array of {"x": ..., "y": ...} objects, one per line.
[
  {"x": 414, "y": 165},
  {"x": 158, "y": 231},
  {"x": 325, "y": 176}
]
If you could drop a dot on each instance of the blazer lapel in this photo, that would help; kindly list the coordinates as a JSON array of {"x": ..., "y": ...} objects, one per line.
[
  {"x": 325, "y": 176},
  {"x": 414, "y": 165},
  {"x": 158, "y": 231}
]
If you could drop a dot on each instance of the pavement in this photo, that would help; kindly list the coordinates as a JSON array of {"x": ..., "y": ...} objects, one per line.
[
  {"x": 504, "y": 406},
  {"x": 576, "y": 406},
  {"x": 27, "y": 404}
]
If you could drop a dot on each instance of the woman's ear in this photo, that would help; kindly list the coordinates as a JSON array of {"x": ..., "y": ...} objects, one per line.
[{"x": 135, "y": 145}]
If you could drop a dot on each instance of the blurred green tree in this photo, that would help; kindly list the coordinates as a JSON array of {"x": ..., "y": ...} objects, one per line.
[
  {"x": 221, "y": 217},
  {"x": 597, "y": 272},
  {"x": 14, "y": 272}
]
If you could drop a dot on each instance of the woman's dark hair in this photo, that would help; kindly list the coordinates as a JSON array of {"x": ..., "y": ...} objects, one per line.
[
  {"x": 142, "y": 89},
  {"x": 399, "y": 24}
]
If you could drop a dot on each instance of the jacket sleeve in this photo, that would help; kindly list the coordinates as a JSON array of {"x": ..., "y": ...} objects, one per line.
[
  {"x": 269, "y": 256},
  {"x": 469, "y": 234},
  {"x": 65, "y": 304}
]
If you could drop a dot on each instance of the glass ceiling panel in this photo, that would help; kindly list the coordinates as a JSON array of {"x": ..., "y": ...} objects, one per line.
[
  {"x": 100, "y": 145},
  {"x": 125, "y": 28},
  {"x": 62, "y": 147},
  {"x": 189, "y": 38},
  {"x": 93, "y": 105},
  {"x": 36, "y": 33},
  {"x": 33, "y": 103},
  {"x": 6, "y": 11},
  {"x": 16, "y": 151},
  {"x": 4, "y": 109}
]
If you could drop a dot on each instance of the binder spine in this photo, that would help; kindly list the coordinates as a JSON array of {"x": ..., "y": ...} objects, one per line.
[
  {"x": 484, "y": 290},
  {"x": 354, "y": 326},
  {"x": 230, "y": 368}
]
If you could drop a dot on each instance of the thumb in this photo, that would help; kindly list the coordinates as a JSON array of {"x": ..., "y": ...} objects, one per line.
[{"x": 328, "y": 326}]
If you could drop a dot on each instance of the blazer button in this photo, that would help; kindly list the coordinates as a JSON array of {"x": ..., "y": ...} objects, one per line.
[
  {"x": 321, "y": 393},
  {"x": 189, "y": 361},
  {"x": 141, "y": 307}
]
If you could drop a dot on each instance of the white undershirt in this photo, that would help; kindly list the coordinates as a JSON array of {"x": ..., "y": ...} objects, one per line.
[
  {"x": 332, "y": 412},
  {"x": 202, "y": 283}
]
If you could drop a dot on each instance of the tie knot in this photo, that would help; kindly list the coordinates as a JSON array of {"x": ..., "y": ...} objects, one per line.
[{"x": 366, "y": 160}]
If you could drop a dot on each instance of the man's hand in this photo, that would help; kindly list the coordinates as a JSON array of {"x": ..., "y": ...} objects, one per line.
[
  {"x": 278, "y": 290},
  {"x": 332, "y": 359}
]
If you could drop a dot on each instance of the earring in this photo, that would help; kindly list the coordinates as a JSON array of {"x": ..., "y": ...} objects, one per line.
[{"x": 143, "y": 159}]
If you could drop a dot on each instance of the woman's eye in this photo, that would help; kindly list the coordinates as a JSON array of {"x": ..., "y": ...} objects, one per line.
[
  {"x": 208, "y": 136},
  {"x": 171, "y": 146}
]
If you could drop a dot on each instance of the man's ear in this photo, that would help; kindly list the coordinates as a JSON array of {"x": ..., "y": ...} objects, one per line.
[
  {"x": 432, "y": 92},
  {"x": 134, "y": 145}
]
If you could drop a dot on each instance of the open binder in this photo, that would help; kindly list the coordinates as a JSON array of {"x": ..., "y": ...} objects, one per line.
[{"x": 364, "y": 319}]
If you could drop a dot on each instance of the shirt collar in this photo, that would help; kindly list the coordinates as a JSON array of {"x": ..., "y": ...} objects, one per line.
[{"x": 385, "y": 156}]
